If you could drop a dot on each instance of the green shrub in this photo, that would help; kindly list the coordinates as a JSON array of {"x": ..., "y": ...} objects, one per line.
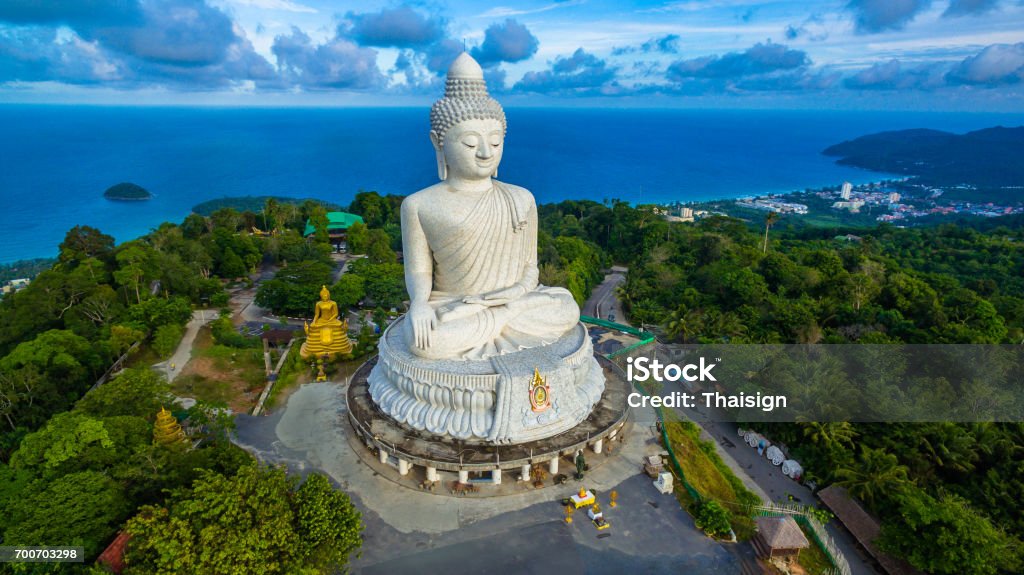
[
  {"x": 166, "y": 339},
  {"x": 712, "y": 518},
  {"x": 224, "y": 334}
]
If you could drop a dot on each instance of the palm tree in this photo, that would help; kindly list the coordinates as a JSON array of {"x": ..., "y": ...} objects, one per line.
[
  {"x": 270, "y": 208},
  {"x": 683, "y": 324},
  {"x": 876, "y": 474},
  {"x": 724, "y": 326},
  {"x": 829, "y": 435},
  {"x": 769, "y": 220},
  {"x": 809, "y": 333},
  {"x": 286, "y": 213},
  {"x": 622, "y": 294}
]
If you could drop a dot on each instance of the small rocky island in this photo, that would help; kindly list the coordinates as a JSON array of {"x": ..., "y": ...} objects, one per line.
[{"x": 127, "y": 191}]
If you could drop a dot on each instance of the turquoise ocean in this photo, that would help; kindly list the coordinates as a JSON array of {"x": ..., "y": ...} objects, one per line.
[{"x": 56, "y": 161}]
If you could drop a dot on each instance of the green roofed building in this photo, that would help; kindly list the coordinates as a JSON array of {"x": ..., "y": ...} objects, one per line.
[{"x": 338, "y": 224}]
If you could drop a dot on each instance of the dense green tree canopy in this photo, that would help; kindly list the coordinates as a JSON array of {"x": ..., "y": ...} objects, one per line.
[
  {"x": 259, "y": 521},
  {"x": 294, "y": 289},
  {"x": 349, "y": 290},
  {"x": 384, "y": 283},
  {"x": 140, "y": 392},
  {"x": 84, "y": 242},
  {"x": 947, "y": 536},
  {"x": 82, "y": 508}
]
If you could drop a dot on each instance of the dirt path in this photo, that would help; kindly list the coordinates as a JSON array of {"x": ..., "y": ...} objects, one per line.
[{"x": 181, "y": 356}]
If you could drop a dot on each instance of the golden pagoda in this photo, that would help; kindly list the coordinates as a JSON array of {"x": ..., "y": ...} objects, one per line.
[
  {"x": 167, "y": 430},
  {"x": 328, "y": 334}
]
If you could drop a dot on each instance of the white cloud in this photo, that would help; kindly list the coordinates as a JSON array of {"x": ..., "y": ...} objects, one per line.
[
  {"x": 281, "y": 5},
  {"x": 505, "y": 11}
]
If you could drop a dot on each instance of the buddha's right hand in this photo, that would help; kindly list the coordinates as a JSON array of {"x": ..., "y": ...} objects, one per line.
[{"x": 424, "y": 320}]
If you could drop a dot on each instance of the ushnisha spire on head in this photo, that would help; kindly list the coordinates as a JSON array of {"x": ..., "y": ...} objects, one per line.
[{"x": 465, "y": 98}]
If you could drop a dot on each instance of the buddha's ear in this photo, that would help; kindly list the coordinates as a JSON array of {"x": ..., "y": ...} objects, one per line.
[{"x": 442, "y": 166}]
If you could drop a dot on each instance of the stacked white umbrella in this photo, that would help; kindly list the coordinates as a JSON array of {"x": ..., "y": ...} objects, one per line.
[
  {"x": 792, "y": 469},
  {"x": 752, "y": 438}
]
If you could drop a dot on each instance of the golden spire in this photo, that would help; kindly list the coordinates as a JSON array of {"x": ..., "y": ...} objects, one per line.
[
  {"x": 167, "y": 430},
  {"x": 537, "y": 379}
]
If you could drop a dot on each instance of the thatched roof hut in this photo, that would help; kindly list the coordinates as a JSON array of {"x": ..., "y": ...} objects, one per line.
[{"x": 779, "y": 537}]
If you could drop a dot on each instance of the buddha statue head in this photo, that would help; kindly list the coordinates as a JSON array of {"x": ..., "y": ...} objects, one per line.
[
  {"x": 467, "y": 126},
  {"x": 324, "y": 294}
]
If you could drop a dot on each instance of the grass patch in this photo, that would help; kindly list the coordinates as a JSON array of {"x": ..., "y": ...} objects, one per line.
[
  {"x": 743, "y": 526},
  {"x": 708, "y": 474},
  {"x": 222, "y": 374},
  {"x": 703, "y": 467},
  {"x": 813, "y": 559},
  {"x": 144, "y": 356},
  {"x": 246, "y": 364},
  {"x": 295, "y": 371},
  {"x": 204, "y": 388}
]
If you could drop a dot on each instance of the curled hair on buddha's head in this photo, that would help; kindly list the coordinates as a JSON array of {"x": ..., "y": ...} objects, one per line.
[{"x": 465, "y": 98}]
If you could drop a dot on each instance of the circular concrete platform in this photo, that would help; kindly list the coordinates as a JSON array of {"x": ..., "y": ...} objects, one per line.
[{"x": 403, "y": 448}]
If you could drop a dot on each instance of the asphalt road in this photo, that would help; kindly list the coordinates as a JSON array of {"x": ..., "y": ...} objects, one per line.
[
  {"x": 602, "y": 300},
  {"x": 648, "y": 534}
]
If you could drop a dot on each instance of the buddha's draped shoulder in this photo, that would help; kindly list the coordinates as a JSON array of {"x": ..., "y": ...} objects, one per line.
[{"x": 491, "y": 247}]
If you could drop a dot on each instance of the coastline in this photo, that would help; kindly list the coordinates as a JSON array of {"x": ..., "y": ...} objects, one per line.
[
  {"x": 746, "y": 213},
  {"x": 653, "y": 157}
]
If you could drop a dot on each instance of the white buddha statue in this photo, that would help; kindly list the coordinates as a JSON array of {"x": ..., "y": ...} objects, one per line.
[
  {"x": 480, "y": 329},
  {"x": 470, "y": 241}
]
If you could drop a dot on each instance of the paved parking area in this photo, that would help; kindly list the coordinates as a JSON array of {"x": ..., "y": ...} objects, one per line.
[{"x": 414, "y": 531}]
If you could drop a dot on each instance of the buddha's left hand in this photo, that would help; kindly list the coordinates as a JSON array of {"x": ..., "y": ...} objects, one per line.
[
  {"x": 497, "y": 297},
  {"x": 485, "y": 300}
]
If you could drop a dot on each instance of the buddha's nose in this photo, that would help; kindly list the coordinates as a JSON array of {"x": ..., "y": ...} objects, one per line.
[{"x": 484, "y": 151}]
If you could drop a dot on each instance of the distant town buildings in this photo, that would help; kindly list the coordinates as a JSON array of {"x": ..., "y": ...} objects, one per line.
[
  {"x": 853, "y": 205},
  {"x": 681, "y": 213},
  {"x": 771, "y": 204},
  {"x": 15, "y": 285},
  {"x": 888, "y": 201}
]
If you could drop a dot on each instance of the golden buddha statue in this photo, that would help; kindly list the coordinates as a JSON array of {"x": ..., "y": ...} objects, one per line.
[{"x": 328, "y": 334}]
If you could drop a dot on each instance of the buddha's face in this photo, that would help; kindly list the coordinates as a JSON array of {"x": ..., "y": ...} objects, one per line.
[
  {"x": 324, "y": 296},
  {"x": 472, "y": 148}
]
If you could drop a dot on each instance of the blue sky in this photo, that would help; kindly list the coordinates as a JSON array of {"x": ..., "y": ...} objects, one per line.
[{"x": 856, "y": 54}]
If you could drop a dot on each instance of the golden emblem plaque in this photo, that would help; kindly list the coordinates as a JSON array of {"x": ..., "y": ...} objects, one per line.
[{"x": 540, "y": 393}]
